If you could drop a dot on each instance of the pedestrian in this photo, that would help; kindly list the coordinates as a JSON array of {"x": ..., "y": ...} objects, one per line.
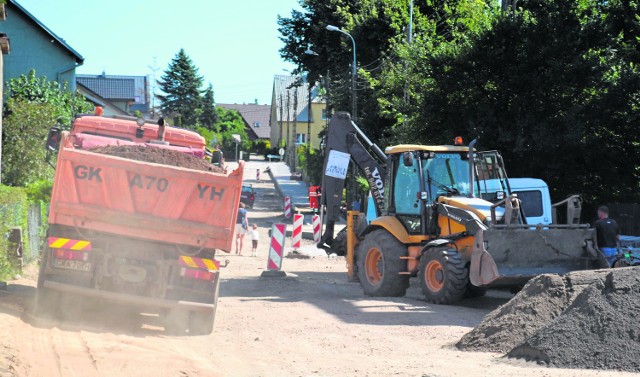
[
  {"x": 242, "y": 226},
  {"x": 255, "y": 236},
  {"x": 607, "y": 234},
  {"x": 258, "y": 175}
]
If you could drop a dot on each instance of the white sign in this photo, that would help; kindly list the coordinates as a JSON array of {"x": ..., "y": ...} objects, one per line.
[
  {"x": 281, "y": 152},
  {"x": 337, "y": 164}
]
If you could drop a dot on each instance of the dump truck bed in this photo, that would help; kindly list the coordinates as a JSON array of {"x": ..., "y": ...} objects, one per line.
[{"x": 144, "y": 200}]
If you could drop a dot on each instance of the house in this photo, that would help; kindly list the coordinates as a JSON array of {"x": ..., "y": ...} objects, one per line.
[
  {"x": 119, "y": 95},
  {"x": 36, "y": 47},
  {"x": 256, "y": 118},
  {"x": 5, "y": 48},
  {"x": 290, "y": 116}
]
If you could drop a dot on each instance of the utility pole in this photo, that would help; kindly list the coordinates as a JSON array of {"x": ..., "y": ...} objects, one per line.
[
  {"x": 281, "y": 119},
  {"x": 288, "y": 117},
  {"x": 295, "y": 128},
  {"x": 309, "y": 126},
  {"x": 153, "y": 69}
]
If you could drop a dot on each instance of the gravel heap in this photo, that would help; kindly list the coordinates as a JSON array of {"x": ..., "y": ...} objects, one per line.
[
  {"x": 585, "y": 319},
  {"x": 158, "y": 156}
]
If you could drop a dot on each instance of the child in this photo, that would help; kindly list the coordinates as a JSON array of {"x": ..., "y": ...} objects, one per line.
[{"x": 255, "y": 236}]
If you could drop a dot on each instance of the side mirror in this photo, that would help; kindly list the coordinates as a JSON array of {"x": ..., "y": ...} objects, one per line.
[
  {"x": 407, "y": 159},
  {"x": 53, "y": 140}
]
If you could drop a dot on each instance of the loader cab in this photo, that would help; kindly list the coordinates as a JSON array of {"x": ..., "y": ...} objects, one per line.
[{"x": 419, "y": 175}]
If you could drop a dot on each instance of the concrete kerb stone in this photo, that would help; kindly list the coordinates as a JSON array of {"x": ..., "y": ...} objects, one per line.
[
  {"x": 275, "y": 182},
  {"x": 273, "y": 274}
]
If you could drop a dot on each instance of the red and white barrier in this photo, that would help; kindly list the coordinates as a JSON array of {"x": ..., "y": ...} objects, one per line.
[
  {"x": 287, "y": 207},
  {"x": 296, "y": 235},
  {"x": 315, "y": 222},
  {"x": 276, "y": 249}
]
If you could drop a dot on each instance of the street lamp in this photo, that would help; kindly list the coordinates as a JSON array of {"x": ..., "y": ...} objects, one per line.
[{"x": 354, "y": 103}]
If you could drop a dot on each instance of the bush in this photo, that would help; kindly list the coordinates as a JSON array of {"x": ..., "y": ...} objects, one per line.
[
  {"x": 13, "y": 212},
  {"x": 24, "y": 135},
  {"x": 312, "y": 169}
]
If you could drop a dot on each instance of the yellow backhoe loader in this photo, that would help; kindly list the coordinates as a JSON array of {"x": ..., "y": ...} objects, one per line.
[{"x": 445, "y": 214}]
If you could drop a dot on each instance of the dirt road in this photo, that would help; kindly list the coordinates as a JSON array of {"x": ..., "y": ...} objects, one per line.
[{"x": 312, "y": 323}]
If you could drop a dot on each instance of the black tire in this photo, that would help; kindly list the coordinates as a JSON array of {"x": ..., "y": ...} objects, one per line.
[
  {"x": 472, "y": 291},
  {"x": 382, "y": 250},
  {"x": 177, "y": 321},
  {"x": 339, "y": 244},
  {"x": 201, "y": 322},
  {"x": 443, "y": 275},
  {"x": 46, "y": 300}
]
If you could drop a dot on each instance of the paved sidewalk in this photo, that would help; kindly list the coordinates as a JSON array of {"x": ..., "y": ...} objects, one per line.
[{"x": 297, "y": 190}]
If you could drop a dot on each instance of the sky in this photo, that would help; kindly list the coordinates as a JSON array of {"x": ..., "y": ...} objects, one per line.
[{"x": 234, "y": 43}]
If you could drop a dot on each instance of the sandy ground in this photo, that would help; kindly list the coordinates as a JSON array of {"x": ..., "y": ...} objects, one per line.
[{"x": 311, "y": 323}]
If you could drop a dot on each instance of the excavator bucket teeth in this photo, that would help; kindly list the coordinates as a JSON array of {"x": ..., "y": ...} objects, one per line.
[{"x": 513, "y": 255}]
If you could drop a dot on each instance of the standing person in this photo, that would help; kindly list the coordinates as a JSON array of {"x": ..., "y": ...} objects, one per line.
[
  {"x": 255, "y": 236},
  {"x": 258, "y": 175},
  {"x": 242, "y": 225},
  {"x": 608, "y": 234}
]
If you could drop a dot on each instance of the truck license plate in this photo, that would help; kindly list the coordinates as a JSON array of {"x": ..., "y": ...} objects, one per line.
[{"x": 72, "y": 264}]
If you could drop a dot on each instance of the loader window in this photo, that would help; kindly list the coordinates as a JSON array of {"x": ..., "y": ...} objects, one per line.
[
  {"x": 405, "y": 190},
  {"x": 448, "y": 173},
  {"x": 405, "y": 196}
]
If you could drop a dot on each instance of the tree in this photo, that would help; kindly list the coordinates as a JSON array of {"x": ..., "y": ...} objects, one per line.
[
  {"x": 30, "y": 88},
  {"x": 181, "y": 84},
  {"x": 33, "y": 106},
  {"x": 209, "y": 117},
  {"x": 24, "y": 134}
]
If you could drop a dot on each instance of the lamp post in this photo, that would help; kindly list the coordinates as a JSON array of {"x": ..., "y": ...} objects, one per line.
[{"x": 354, "y": 102}]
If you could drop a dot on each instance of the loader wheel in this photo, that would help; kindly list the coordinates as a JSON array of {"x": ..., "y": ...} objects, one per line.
[
  {"x": 472, "y": 291},
  {"x": 339, "y": 244},
  {"x": 379, "y": 265},
  {"x": 443, "y": 276}
]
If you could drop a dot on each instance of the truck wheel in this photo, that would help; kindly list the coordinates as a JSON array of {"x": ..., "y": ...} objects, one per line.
[
  {"x": 443, "y": 276},
  {"x": 47, "y": 301},
  {"x": 201, "y": 321},
  {"x": 379, "y": 265},
  {"x": 177, "y": 321}
]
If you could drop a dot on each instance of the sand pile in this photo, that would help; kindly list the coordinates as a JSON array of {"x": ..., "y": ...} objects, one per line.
[
  {"x": 585, "y": 319},
  {"x": 158, "y": 156}
]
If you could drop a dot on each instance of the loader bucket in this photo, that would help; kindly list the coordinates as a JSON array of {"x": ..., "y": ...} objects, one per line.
[{"x": 511, "y": 255}]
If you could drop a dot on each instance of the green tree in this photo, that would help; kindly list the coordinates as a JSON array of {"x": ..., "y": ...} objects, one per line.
[
  {"x": 181, "y": 85},
  {"x": 24, "y": 134},
  {"x": 33, "y": 89},
  {"x": 209, "y": 117}
]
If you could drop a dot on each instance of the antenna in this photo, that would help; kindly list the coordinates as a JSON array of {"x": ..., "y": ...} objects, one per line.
[{"x": 153, "y": 69}]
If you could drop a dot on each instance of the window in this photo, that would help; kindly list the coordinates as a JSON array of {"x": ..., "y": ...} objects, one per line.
[
  {"x": 324, "y": 114},
  {"x": 301, "y": 138},
  {"x": 531, "y": 202},
  {"x": 256, "y": 124}
]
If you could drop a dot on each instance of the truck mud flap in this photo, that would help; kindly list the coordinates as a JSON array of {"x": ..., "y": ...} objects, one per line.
[{"x": 512, "y": 255}]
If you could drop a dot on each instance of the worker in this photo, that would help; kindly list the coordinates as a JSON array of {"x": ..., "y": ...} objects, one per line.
[
  {"x": 608, "y": 234},
  {"x": 161, "y": 128}
]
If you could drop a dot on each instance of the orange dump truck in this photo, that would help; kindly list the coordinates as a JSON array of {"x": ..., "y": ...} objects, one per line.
[{"x": 135, "y": 232}]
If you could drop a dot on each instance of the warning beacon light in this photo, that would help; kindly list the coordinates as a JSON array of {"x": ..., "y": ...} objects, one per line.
[{"x": 458, "y": 140}]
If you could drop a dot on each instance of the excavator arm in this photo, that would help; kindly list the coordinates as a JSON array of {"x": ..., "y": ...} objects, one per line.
[{"x": 345, "y": 144}]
